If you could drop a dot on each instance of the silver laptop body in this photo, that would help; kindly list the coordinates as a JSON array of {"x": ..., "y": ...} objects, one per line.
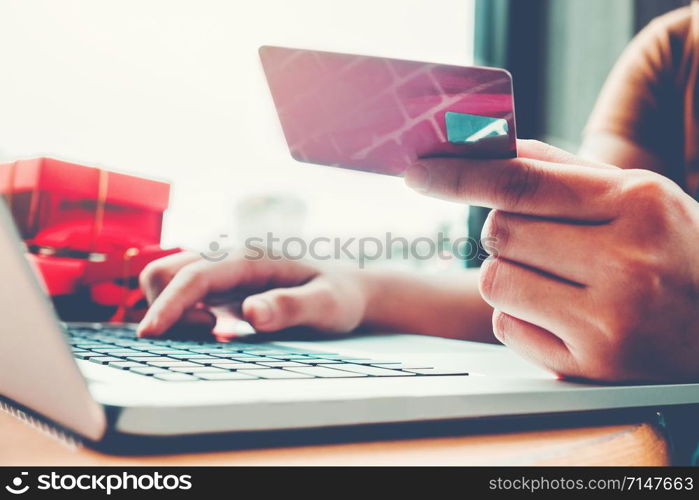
[{"x": 39, "y": 372}]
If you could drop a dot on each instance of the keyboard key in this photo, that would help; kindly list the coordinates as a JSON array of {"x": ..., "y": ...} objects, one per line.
[
  {"x": 172, "y": 364},
  {"x": 249, "y": 359},
  {"x": 266, "y": 352},
  {"x": 437, "y": 371},
  {"x": 163, "y": 351},
  {"x": 238, "y": 366},
  {"x": 323, "y": 372},
  {"x": 198, "y": 369},
  {"x": 128, "y": 343},
  {"x": 118, "y": 330},
  {"x": 103, "y": 359},
  {"x": 149, "y": 359},
  {"x": 121, "y": 353},
  {"x": 319, "y": 361},
  {"x": 198, "y": 357},
  {"x": 279, "y": 364},
  {"x": 233, "y": 346},
  {"x": 374, "y": 362},
  {"x": 327, "y": 361},
  {"x": 374, "y": 371},
  {"x": 148, "y": 370},
  {"x": 228, "y": 350},
  {"x": 87, "y": 355},
  {"x": 235, "y": 355},
  {"x": 206, "y": 350},
  {"x": 291, "y": 356},
  {"x": 174, "y": 377},
  {"x": 274, "y": 373},
  {"x": 180, "y": 344},
  {"x": 335, "y": 356},
  {"x": 401, "y": 366},
  {"x": 226, "y": 376},
  {"x": 125, "y": 365}
]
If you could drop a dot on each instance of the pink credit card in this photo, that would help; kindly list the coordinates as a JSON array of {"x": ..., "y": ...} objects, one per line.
[{"x": 381, "y": 115}]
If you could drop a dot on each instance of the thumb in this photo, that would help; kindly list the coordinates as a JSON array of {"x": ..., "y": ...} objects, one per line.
[
  {"x": 313, "y": 304},
  {"x": 537, "y": 150}
]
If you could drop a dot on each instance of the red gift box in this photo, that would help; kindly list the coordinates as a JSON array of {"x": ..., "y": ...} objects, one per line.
[
  {"x": 89, "y": 232},
  {"x": 63, "y": 205},
  {"x": 123, "y": 266},
  {"x": 61, "y": 275},
  {"x": 89, "y": 290}
]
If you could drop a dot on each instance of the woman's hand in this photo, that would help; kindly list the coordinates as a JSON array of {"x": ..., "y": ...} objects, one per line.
[
  {"x": 275, "y": 293},
  {"x": 594, "y": 270}
]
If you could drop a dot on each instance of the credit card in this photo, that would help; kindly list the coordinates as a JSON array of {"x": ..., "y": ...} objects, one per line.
[{"x": 380, "y": 115}]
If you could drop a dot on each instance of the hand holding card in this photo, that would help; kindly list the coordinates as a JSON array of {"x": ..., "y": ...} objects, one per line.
[{"x": 381, "y": 115}]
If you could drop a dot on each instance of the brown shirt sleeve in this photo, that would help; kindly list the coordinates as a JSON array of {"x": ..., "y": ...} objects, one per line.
[{"x": 642, "y": 100}]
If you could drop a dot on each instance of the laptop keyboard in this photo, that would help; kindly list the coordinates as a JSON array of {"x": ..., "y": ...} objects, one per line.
[{"x": 188, "y": 361}]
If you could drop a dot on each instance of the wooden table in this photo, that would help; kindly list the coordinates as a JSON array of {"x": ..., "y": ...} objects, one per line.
[{"x": 631, "y": 443}]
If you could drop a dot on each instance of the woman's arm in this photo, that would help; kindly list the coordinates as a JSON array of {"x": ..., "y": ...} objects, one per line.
[
  {"x": 280, "y": 293},
  {"x": 614, "y": 149},
  {"x": 443, "y": 305},
  {"x": 638, "y": 120}
]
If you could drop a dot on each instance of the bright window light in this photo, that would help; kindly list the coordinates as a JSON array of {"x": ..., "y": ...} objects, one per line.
[{"x": 174, "y": 90}]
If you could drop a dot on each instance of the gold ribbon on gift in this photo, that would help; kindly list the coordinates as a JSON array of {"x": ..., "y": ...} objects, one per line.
[
  {"x": 98, "y": 222},
  {"x": 121, "y": 314},
  {"x": 33, "y": 210}
]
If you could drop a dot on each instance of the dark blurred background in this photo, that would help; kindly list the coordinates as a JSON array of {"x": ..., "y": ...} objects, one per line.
[{"x": 559, "y": 52}]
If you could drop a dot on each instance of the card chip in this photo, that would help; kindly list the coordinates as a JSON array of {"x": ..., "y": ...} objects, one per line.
[{"x": 463, "y": 128}]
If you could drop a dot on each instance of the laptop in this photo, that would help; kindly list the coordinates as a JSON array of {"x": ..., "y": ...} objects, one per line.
[{"x": 98, "y": 382}]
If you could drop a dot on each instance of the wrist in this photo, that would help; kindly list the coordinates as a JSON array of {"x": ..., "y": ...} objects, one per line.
[{"x": 373, "y": 287}]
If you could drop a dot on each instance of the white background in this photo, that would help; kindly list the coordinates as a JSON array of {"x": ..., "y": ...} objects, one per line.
[{"x": 174, "y": 90}]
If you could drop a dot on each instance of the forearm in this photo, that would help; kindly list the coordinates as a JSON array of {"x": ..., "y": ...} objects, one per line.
[
  {"x": 620, "y": 152},
  {"x": 440, "y": 305}
]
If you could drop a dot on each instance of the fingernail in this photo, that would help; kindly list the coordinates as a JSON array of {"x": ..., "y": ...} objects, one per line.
[
  {"x": 261, "y": 310},
  {"x": 146, "y": 325},
  {"x": 417, "y": 177}
]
